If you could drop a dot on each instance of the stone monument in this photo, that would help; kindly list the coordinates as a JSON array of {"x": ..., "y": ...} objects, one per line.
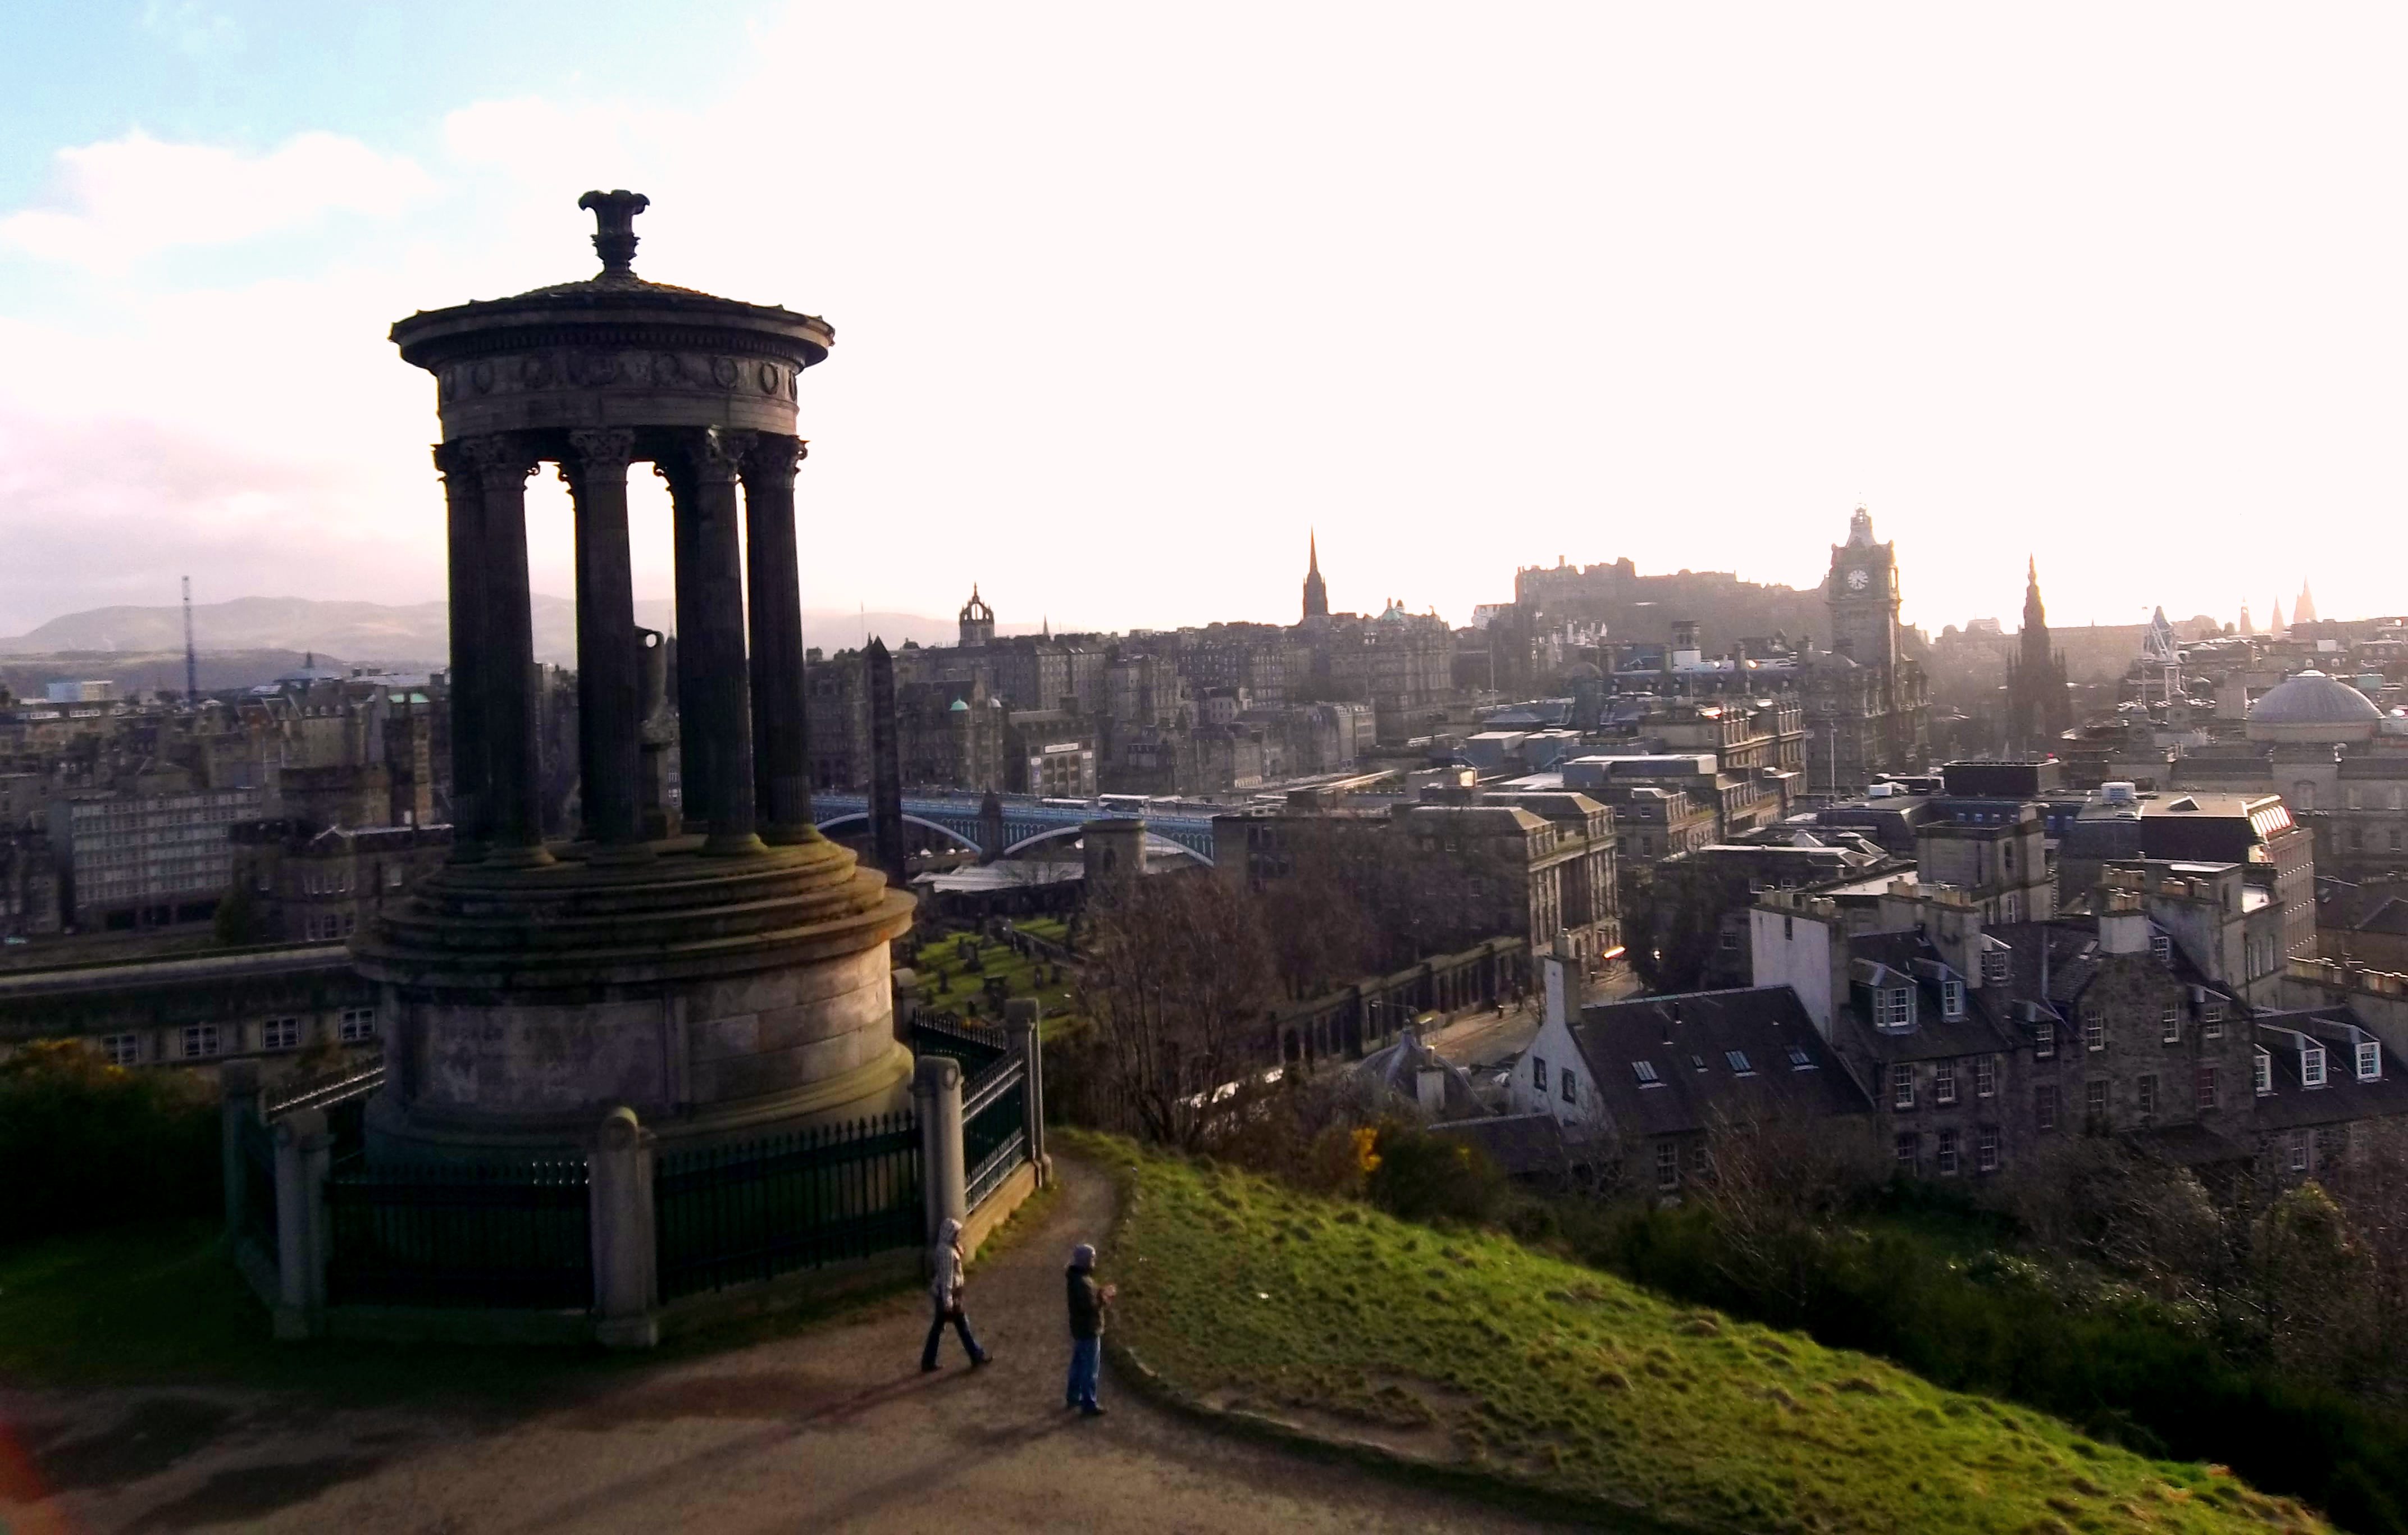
[{"x": 717, "y": 967}]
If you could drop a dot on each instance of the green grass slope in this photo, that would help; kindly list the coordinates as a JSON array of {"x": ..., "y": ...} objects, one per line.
[{"x": 1473, "y": 1352}]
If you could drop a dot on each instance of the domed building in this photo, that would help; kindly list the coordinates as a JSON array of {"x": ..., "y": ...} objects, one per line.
[{"x": 2311, "y": 708}]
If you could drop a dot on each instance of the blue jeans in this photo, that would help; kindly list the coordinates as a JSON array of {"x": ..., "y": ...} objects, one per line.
[
  {"x": 1086, "y": 1359},
  {"x": 937, "y": 1331}
]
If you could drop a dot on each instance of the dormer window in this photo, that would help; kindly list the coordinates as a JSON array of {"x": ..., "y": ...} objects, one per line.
[
  {"x": 2311, "y": 1066},
  {"x": 2161, "y": 948},
  {"x": 1994, "y": 966},
  {"x": 1895, "y": 1007},
  {"x": 2369, "y": 1061},
  {"x": 2262, "y": 1073},
  {"x": 1952, "y": 997}
]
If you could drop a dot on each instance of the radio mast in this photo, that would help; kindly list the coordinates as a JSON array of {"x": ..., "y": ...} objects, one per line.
[{"x": 192, "y": 656}]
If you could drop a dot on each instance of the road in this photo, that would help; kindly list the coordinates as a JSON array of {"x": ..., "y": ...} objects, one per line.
[{"x": 832, "y": 1428}]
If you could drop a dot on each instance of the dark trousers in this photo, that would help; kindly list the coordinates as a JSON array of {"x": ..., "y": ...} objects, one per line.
[{"x": 961, "y": 1321}]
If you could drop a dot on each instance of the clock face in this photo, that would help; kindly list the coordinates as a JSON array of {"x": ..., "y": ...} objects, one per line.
[{"x": 1857, "y": 580}]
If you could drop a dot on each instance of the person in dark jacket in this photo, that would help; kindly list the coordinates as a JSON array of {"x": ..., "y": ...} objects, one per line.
[
  {"x": 1088, "y": 1302},
  {"x": 945, "y": 1289}
]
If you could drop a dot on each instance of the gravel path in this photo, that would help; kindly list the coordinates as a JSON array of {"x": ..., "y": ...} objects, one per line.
[{"x": 834, "y": 1428}]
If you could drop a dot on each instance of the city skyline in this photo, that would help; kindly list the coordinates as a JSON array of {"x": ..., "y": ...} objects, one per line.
[{"x": 1629, "y": 286}]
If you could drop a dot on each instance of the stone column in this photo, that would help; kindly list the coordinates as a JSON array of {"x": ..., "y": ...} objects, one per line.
[
  {"x": 780, "y": 771},
  {"x": 1022, "y": 1017},
  {"x": 627, "y": 1278},
  {"x": 608, "y": 722},
  {"x": 464, "y": 503},
  {"x": 304, "y": 1152},
  {"x": 936, "y": 1098},
  {"x": 238, "y": 1107},
  {"x": 515, "y": 813},
  {"x": 715, "y": 698}
]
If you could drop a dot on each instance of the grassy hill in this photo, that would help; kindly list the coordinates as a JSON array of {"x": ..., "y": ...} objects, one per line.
[{"x": 1472, "y": 1353}]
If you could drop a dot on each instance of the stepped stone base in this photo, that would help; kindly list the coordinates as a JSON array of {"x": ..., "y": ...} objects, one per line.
[{"x": 719, "y": 997}]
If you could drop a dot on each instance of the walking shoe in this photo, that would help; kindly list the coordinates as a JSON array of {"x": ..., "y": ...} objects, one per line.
[
  {"x": 979, "y": 1360},
  {"x": 927, "y": 1366},
  {"x": 1089, "y": 1410}
]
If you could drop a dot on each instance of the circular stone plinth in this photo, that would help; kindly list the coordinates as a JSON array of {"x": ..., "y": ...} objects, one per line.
[{"x": 719, "y": 997}]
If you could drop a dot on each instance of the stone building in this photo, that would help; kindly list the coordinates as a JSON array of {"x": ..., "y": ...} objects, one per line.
[
  {"x": 2039, "y": 707},
  {"x": 308, "y": 882},
  {"x": 146, "y": 860},
  {"x": 1867, "y": 702}
]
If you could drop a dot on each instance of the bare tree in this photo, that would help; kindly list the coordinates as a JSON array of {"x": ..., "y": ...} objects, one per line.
[{"x": 1174, "y": 972}]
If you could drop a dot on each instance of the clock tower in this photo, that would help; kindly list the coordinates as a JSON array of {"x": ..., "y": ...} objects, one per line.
[{"x": 1863, "y": 597}]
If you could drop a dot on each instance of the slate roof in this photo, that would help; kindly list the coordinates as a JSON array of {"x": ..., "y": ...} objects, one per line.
[
  {"x": 1697, "y": 1086},
  {"x": 1933, "y": 1037},
  {"x": 1520, "y": 1145},
  {"x": 2390, "y": 917},
  {"x": 2293, "y": 1104}
]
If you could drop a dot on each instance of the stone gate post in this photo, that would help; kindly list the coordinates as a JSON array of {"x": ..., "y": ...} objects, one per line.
[
  {"x": 1021, "y": 1015},
  {"x": 937, "y": 1095},
  {"x": 239, "y": 1105},
  {"x": 627, "y": 1271},
  {"x": 304, "y": 1152}
]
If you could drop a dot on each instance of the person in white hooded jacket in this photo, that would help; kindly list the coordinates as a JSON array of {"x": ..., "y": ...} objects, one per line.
[{"x": 945, "y": 1289}]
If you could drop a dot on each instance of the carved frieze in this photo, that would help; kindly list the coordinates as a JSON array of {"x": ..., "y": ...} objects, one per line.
[{"x": 589, "y": 368}]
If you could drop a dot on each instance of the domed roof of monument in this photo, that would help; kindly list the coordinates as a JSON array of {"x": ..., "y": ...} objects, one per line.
[{"x": 2310, "y": 697}]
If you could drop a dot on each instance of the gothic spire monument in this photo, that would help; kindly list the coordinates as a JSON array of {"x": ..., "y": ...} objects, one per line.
[
  {"x": 2304, "y": 610},
  {"x": 2039, "y": 710},
  {"x": 1316, "y": 594},
  {"x": 731, "y": 977}
]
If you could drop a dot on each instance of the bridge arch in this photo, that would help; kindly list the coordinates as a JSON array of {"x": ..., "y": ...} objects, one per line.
[
  {"x": 862, "y": 817},
  {"x": 1155, "y": 842}
]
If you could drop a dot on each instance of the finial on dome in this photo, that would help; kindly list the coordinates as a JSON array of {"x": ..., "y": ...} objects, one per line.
[{"x": 614, "y": 228}]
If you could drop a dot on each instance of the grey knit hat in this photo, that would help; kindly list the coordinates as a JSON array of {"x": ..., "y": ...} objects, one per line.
[{"x": 1083, "y": 1256}]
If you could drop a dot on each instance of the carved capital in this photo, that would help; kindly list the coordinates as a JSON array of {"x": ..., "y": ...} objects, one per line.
[
  {"x": 501, "y": 460},
  {"x": 716, "y": 455},
  {"x": 609, "y": 447},
  {"x": 773, "y": 457}
]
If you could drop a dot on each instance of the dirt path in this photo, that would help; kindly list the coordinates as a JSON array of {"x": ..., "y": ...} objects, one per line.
[{"x": 831, "y": 1429}]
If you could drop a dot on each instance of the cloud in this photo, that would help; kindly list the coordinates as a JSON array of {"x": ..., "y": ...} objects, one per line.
[
  {"x": 191, "y": 29},
  {"x": 116, "y": 202}
]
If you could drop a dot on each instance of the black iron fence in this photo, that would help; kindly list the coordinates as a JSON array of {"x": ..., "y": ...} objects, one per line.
[
  {"x": 975, "y": 1045},
  {"x": 735, "y": 1214},
  {"x": 499, "y": 1234},
  {"x": 995, "y": 1127}
]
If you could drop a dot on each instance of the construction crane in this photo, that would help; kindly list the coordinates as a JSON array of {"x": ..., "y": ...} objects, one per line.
[{"x": 192, "y": 656}]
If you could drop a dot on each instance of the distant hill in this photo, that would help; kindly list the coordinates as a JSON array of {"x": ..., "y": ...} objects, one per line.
[{"x": 412, "y": 637}]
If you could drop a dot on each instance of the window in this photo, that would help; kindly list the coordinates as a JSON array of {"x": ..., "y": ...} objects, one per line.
[
  {"x": 1730, "y": 942},
  {"x": 2298, "y": 1149},
  {"x": 1902, "y": 1086},
  {"x": 1985, "y": 1076},
  {"x": 2370, "y": 1060},
  {"x": 2332, "y": 1144},
  {"x": 2145, "y": 1094},
  {"x": 2395, "y": 839},
  {"x": 1539, "y": 1073},
  {"x": 1944, "y": 1083},
  {"x": 1947, "y": 1153},
  {"x": 1799, "y": 1060},
  {"x": 1897, "y": 1007},
  {"x": 2043, "y": 1040},
  {"x": 2094, "y": 1099},
  {"x": 1952, "y": 997},
  {"x": 1570, "y": 1082},
  {"x": 2211, "y": 1011},
  {"x": 2094, "y": 1030},
  {"x": 392, "y": 873},
  {"x": 2161, "y": 948},
  {"x": 1668, "y": 1165},
  {"x": 1697, "y": 1062},
  {"x": 2011, "y": 906},
  {"x": 2045, "y": 1106},
  {"x": 358, "y": 1026},
  {"x": 1645, "y": 1072},
  {"x": 2207, "y": 1087},
  {"x": 1985, "y": 1149},
  {"x": 122, "y": 1049},
  {"x": 1737, "y": 1062},
  {"x": 281, "y": 1034},
  {"x": 1994, "y": 966},
  {"x": 1908, "y": 1152},
  {"x": 2169, "y": 1025},
  {"x": 2261, "y": 1072},
  {"x": 2311, "y": 1066},
  {"x": 200, "y": 1039}
]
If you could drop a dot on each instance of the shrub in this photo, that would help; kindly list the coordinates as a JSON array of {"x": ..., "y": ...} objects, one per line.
[
  {"x": 1423, "y": 1177},
  {"x": 84, "y": 1143}
]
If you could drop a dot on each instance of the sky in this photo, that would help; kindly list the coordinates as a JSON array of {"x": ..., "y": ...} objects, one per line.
[{"x": 1128, "y": 299}]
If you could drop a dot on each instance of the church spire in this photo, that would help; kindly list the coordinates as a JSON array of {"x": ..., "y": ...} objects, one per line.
[{"x": 1316, "y": 593}]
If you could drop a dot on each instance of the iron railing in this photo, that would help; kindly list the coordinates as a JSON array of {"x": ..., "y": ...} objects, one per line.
[
  {"x": 321, "y": 1092},
  {"x": 259, "y": 1222},
  {"x": 975, "y": 1045},
  {"x": 495, "y": 1235},
  {"x": 995, "y": 1127},
  {"x": 738, "y": 1214}
]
